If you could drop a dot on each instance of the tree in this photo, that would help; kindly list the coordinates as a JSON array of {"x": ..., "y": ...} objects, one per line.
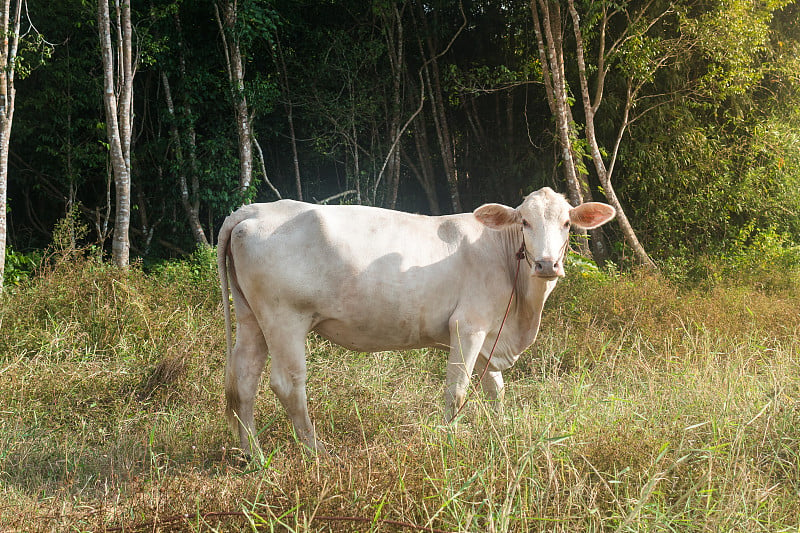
[
  {"x": 717, "y": 163},
  {"x": 190, "y": 197},
  {"x": 423, "y": 171},
  {"x": 279, "y": 59},
  {"x": 635, "y": 81},
  {"x": 636, "y": 42},
  {"x": 430, "y": 53},
  {"x": 550, "y": 43},
  {"x": 10, "y": 24},
  {"x": 392, "y": 24},
  {"x": 118, "y": 100},
  {"x": 10, "y": 67},
  {"x": 388, "y": 106},
  {"x": 548, "y": 26},
  {"x": 227, "y": 22},
  {"x": 549, "y": 38}
]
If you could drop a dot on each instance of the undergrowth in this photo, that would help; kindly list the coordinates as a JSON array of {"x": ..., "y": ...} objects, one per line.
[{"x": 643, "y": 406}]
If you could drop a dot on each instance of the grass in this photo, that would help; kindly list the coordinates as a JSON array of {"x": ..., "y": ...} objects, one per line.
[{"x": 642, "y": 407}]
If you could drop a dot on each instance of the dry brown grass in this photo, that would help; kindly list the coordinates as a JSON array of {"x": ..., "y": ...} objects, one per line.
[{"x": 641, "y": 408}]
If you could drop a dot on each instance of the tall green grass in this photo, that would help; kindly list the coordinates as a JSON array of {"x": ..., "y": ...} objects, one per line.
[{"x": 642, "y": 407}]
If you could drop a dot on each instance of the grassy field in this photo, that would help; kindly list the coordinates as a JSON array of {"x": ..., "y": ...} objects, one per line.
[{"x": 642, "y": 407}]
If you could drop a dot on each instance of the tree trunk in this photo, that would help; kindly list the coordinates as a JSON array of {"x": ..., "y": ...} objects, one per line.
[
  {"x": 443, "y": 133},
  {"x": 233, "y": 56},
  {"x": 425, "y": 174},
  {"x": 118, "y": 100},
  {"x": 509, "y": 120},
  {"x": 190, "y": 206},
  {"x": 264, "y": 169},
  {"x": 432, "y": 81},
  {"x": 190, "y": 134},
  {"x": 298, "y": 184},
  {"x": 603, "y": 172},
  {"x": 8, "y": 56},
  {"x": 102, "y": 220},
  {"x": 356, "y": 164},
  {"x": 395, "y": 153},
  {"x": 393, "y": 31},
  {"x": 474, "y": 119},
  {"x": 5, "y": 133},
  {"x": 283, "y": 80},
  {"x": 549, "y": 40},
  {"x": 148, "y": 229}
]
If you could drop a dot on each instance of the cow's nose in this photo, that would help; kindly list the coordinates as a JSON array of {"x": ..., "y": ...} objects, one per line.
[{"x": 548, "y": 268}]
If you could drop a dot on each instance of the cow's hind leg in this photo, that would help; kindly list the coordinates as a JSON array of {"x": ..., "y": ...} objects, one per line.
[
  {"x": 243, "y": 376},
  {"x": 287, "y": 344}
]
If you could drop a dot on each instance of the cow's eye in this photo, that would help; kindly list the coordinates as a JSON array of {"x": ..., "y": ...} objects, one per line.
[
  {"x": 525, "y": 224},
  {"x": 566, "y": 224}
]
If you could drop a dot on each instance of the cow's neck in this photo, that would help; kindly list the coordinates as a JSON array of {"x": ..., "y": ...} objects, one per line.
[{"x": 530, "y": 294}]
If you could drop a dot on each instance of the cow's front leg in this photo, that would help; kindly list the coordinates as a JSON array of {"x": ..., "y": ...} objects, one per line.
[
  {"x": 465, "y": 344},
  {"x": 491, "y": 382},
  {"x": 493, "y": 388}
]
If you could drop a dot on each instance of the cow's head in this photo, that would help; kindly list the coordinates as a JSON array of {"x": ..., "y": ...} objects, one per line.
[{"x": 544, "y": 219}]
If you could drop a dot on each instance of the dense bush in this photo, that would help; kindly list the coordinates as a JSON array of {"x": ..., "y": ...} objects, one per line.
[{"x": 19, "y": 266}]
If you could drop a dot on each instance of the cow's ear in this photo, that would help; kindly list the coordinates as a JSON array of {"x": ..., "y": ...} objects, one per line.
[
  {"x": 591, "y": 215},
  {"x": 497, "y": 216}
]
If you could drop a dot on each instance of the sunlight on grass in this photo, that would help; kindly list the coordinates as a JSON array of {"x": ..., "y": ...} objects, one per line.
[{"x": 640, "y": 408}]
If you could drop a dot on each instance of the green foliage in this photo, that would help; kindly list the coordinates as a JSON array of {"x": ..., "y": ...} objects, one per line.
[
  {"x": 712, "y": 149},
  {"x": 732, "y": 36},
  {"x": 34, "y": 51},
  {"x": 696, "y": 188},
  {"x": 722, "y": 162},
  {"x": 256, "y": 21},
  {"x": 764, "y": 258},
  {"x": 68, "y": 234},
  {"x": 639, "y": 56},
  {"x": 200, "y": 268},
  {"x": 19, "y": 266},
  {"x": 577, "y": 265}
]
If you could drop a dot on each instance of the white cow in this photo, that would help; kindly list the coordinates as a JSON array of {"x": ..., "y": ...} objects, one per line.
[{"x": 372, "y": 279}]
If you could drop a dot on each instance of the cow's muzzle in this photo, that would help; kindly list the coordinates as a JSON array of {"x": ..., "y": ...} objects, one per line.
[{"x": 548, "y": 268}]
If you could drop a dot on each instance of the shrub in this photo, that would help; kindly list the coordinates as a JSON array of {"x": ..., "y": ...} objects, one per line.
[{"x": 20, "y": 266}]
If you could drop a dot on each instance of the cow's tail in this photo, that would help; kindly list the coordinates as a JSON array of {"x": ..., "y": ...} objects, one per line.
[{"x": 227, "y": 281}]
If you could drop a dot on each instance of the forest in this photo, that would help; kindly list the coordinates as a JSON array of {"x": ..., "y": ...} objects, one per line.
[{"x": 681, "y": 114}]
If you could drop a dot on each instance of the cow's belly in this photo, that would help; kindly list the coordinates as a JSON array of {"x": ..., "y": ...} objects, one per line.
[
  {"x": 387, "y": 308},
  {"x": 374, "y": 334}
]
